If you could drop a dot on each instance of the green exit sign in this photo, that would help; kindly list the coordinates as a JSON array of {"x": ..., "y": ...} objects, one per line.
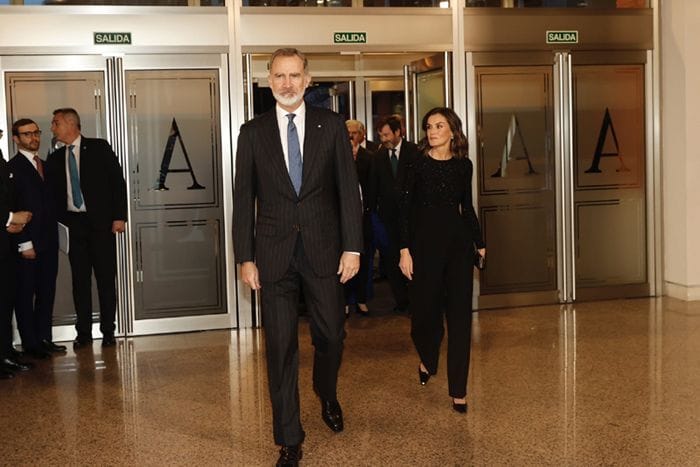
[
  {"x": 562, "y": 37},
  {"x": 112, "y": 38},
  {"x": 349, "y": 37}
]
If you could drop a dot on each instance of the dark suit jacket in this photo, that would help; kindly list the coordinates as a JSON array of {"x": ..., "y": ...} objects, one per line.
[
  {"x": 101, "y": 182},
  {"x": 33, "y": 194},
  {"x": 385, "y": 189},
  {"x": 363, "y": 164},
  {"x": 327, "y": 211},
  {"x": 372, "y": 146},
  {"x": 5, "y": 206}
]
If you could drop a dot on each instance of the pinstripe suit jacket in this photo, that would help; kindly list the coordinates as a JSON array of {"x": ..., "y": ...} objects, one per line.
[{"x": 327, "y": 213}]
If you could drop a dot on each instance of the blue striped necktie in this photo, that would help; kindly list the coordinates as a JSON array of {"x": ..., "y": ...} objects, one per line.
[{"x": 294, "y": 153}]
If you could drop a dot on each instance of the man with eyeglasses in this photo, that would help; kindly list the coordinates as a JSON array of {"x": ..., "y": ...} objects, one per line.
[{"x": 37, "y": 244}]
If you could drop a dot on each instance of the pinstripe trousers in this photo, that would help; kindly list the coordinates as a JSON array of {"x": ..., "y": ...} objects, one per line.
[{"x": 280, "y": 311}]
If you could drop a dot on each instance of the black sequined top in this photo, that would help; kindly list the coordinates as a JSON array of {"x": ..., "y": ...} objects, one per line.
[{"x": 438, "y": 192}]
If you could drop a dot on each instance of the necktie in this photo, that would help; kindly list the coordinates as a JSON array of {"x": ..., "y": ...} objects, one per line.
[
  {"x": 394, "y": 162},
  {"x": 39, "y": 166},
  {"x": 294, "y": 153},
  {"x": 74, "y": 178}
]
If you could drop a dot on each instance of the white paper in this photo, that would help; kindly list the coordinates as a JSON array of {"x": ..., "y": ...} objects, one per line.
[{"x": 63, "y": 238}]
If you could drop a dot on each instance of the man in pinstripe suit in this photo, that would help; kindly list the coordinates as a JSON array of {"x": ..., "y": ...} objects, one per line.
[{"x": 296, "y": 163}]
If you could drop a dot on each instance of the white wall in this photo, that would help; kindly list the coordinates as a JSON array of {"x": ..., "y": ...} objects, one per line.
[{"x": 680, "y": 150}]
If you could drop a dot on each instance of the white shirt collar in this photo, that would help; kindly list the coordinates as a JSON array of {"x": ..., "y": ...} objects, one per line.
[
  {"x": 300, "y": 113},
  {"x": 397, "y": 148},
  {"x": 28, "y": 155}
]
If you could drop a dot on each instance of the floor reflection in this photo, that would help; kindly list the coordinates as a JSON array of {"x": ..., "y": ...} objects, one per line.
[{"x": 612, "y": 383}]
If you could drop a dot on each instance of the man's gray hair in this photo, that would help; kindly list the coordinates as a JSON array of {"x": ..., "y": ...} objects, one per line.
[
  {"x": 289, "y": 52},
  {"x": 357, "y": 123}
]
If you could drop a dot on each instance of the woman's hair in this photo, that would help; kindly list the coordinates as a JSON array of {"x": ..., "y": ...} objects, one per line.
[{"x": 459, "y": 145}]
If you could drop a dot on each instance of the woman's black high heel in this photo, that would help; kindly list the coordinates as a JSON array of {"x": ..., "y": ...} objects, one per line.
[
  {"x": 459, "y": 407},
  {"x": 423, "y": 377}
]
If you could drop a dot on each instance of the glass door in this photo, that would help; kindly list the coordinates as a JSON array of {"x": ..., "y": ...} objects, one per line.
[
  {"x": 560, "y": 175},
  {"x": 172, "y": 263},
  {"x": 427, "y": 85},
  {"x": 609, "y": 186},
  {"x": 33, "y": 88},
  {"x": 515, "y": 178},
  {"x": 178, "y": 241}
]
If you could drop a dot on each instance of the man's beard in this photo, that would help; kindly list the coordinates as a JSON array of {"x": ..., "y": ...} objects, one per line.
[{"x": 288, "y": 101}]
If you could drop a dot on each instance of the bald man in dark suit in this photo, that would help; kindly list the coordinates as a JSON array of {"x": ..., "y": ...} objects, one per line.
[
  {"x": 95, "y": 209},
  {"x": 294, "y": 165}
]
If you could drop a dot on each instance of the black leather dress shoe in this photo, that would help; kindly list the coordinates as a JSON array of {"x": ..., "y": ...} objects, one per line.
[
  {"x": 108, "y": 341},
  {"x": 289, "y": 456},
  {"x": 423, "y": 376},
  {"x": 459, "y": 407},
  {"x": 52, "y": 348},
  {"x": 37, "y": 353},
  {"x": 81, "y": 342},
  {"x": 6, "y": 374},
  {"x": 332, "y": 414},
  {"x": 11, "y": 364},
  {"x": 14, "y": 353}
]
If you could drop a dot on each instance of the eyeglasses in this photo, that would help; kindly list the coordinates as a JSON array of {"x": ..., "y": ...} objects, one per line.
[{"x": 36, "y": 133}]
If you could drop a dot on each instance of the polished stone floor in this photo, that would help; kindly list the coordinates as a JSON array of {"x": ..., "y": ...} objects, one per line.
[{"x": 601, "y": 383}]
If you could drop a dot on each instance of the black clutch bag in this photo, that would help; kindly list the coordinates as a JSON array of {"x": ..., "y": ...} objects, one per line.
[{"x": 479, "y": 261}]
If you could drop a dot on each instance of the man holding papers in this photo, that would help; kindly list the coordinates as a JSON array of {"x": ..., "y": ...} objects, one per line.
[{"x": 90, "y": 191}]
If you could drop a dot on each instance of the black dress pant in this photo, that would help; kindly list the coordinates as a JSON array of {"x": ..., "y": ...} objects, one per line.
[
  {"x": 442, "y": 289},
  {"x": 36, "y": 290},
  {"x": 7, "y": 293},
  {"x": 280, "y": 312},
  {"x": 92, "y": 250}
]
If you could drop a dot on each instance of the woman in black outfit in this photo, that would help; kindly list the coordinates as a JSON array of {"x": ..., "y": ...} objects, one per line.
[{"x": 439, "y": 234}]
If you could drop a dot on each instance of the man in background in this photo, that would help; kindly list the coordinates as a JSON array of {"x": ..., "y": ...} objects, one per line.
[
  {"x": 357, "y": 289},
  {"x": 389, "y": 164},
  {"x": 90, "y": 190},
  {"x": 14, "y": 222},
  {"x": 37, "y": 244}
]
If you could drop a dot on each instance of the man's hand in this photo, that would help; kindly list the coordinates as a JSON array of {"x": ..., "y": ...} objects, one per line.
[
  {"x": 118, "y": 226},
  {"x": 21, "y": 217},
  {"x": 348, "y": 267},
  {"x": 15, "y": 228},
  {"x": 29, "y": 254},
  {"x": 249, "y": 275}
]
